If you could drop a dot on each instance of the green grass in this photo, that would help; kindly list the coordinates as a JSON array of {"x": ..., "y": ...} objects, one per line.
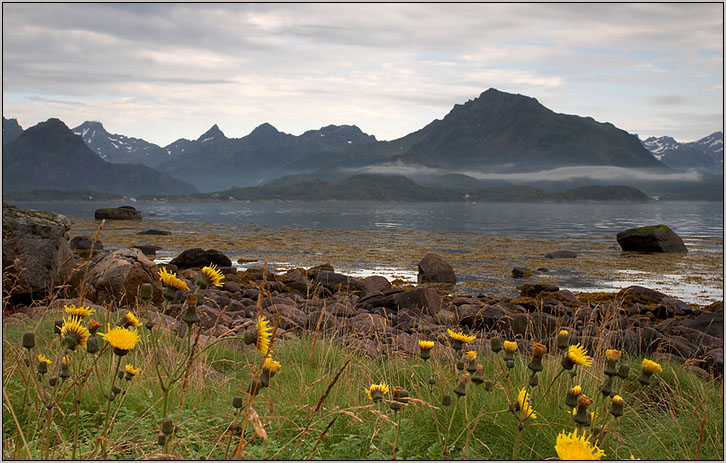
[{"x": 678, "y": 417}]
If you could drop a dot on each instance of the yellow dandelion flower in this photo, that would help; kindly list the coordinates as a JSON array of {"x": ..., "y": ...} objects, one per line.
[
  {"x": 613, "y": 354},
  {"x": 131, "y": 370},
  {"x": 523, "y": 401},
  {"x": 577, "y": 390},
  {"x": 264, "y": 331},
  {"x": 618, "y": 400},
  {"x": 41, "y": 358},
  {"x": 632, "y": 457},
  {"x": 73, "y": 333},
  {"x": 121, "y": 338},
  {"x": 461, "y": 337},
  {"x": 578, "y": 355},
  {"x": 651, "y": 367},
  {"x": 271, "y": 365},
  {"x": 377, "y": 391},
  {"x": 131, "y": 320},
  {"x": 426, "y": 345},
  {"x": 571, "y": 447},
  {"x": 169, "y": 279},
  {"x": 471, "y": 354},
  {"x": 213, "y": 274},
  {"x": 511, "y": 346},
  {"x": 564, "y": 333},
  {"x": 81, "y": 312}
]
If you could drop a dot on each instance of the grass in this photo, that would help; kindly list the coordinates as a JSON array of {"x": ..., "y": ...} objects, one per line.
[{"x": 678, "y": 417}]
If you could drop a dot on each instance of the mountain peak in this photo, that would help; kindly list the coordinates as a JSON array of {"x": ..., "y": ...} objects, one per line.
[{"x": 213, "y": 134}]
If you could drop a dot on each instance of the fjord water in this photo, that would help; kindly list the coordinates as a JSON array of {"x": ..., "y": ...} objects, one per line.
[{"x": 550, "y": 220}]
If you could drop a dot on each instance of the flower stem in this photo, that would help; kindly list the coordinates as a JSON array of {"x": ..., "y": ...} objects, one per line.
[{"x": 398, "y": 430}]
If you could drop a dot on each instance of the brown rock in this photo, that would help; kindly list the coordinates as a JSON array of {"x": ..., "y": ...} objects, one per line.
[
  {"x": 434, "y": 269},
  {"x": 117, "y": 276}
]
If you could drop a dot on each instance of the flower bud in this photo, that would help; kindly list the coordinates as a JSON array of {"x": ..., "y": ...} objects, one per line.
[
  {"x": 65, "y": 371},
  {"x": 606, "y": 387},
  {"x": 496, "y": 343},
  {"x": 534, "y": 380},
  {"x": 255, "y": 386},
  {"x": 563, "y": 340},
  {"x": 460, "y": 390},
  {"x": 29, "y": 340},
  {"x": 53, "y": 380},
  {"x": 167, "y": 426},
  {"x": 43, "y": 367},
  {"x": 92, "y": 345},
  {"x": 146, "y": 291},
  {"x": 190, "y": 316},
  {"x": 460, "y": 365},
  {"x": 116, "y": 389},
  {"x": 572, "y": 396},
  {"x": 446, "y": 400},
  {"x": 238, "y": 401},
  {"x": 161, "y": 439},
  {"x": 149, "y": 325},
  {"x": 624, "y": 371},
  {"x": 477, "y": 377},
  {"x": 582, "y": 416},
  {"x": 432, "y": 381},
  {"x": 616, "y": 406},
  {"x": 509, "y": 363},
  {"x": 488, "y": 385}
]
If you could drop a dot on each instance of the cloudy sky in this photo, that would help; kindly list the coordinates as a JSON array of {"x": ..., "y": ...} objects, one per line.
[{"x": 166, "y": 71}]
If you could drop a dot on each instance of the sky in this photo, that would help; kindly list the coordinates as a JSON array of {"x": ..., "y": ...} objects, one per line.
[{"x": 167, "y": 71}]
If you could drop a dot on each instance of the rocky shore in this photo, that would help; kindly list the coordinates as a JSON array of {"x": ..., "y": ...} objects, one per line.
[{"x": 377, "y": 318}]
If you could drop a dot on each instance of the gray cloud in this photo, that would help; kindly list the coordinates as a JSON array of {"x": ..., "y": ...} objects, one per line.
[{"x": 390, "y": 68}]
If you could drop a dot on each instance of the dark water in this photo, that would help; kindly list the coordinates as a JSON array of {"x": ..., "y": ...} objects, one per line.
[{"x": 516, "y": 219}]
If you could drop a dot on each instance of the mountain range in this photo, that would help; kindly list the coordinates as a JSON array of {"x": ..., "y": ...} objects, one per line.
[
  {"x": 705, "y": 154},
  {"x": 496, "y": 133},
  {"x": 50, "y": 156}
]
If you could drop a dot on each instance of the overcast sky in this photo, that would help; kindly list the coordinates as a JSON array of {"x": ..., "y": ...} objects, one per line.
[{"x": 166, "y": 71}]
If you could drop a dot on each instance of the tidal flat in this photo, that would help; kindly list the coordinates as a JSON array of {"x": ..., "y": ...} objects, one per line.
[{"x": 483, "y": 262}]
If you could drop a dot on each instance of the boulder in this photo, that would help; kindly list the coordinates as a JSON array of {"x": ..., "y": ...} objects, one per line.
[
  {"x": 421, "y": 298},
  {"x": 84, "y": 243},
  {"x": 434, "y": 269},
  {"x": 710, "y": 323},
  {"x": 561, "y": 255},
  {"x": 116, "y": 276},
  {"x": 118, "y": 213},
  {"x": 655, "y": 238},
  {"x": 36, "y": 254},
  {"x": 376, "y": 283},
  {"x": 148, "y": 249},
  {"x": 330, "y": 279},
  {"x": 198, "y": 257},
  {"x": 519, "y": 272},
  {"x": 154, "y": 232}
]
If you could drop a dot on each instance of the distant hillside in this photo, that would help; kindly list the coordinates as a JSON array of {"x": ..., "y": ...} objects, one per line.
[
  {"x": 50, "y": 156},
  {"x": 377, "y": 187},
  {"x": 11, "y": 130},
  {"x": 214, "y": 162},
  {"x": 705, "y": 154},
  {"x": 510, "y": 132},
  {"x": 120, "y": 149}
]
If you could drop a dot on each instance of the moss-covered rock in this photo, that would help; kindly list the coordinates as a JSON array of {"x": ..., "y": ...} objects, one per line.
[{"x": 653, "y": 238}]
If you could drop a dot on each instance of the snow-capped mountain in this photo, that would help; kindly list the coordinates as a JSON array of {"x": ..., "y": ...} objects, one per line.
[
  {"x": 705, "y": 154},
  {"x": 120, "y": 149}
]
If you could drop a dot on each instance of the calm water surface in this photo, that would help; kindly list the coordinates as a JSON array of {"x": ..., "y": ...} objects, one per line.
[{"x": 515, "y": 219}]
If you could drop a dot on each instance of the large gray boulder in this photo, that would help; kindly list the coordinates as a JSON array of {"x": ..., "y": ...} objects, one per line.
[
  {"x": 434, "y": 269},
  {"x": 36, "y": 253},
  {"x": 118, "y": 213},
  {"x": 654, "y": 238},
  {"x": 117, "y": 276}
]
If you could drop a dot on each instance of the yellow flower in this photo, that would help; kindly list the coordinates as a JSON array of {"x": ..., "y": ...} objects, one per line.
[
  {"x": 213, "y": 275},
  {"x": 577, "y": 390},
  {"x": 564, "y": 333},
  {"x": 171, "y": 280},
  {"x": 271, "y": 365},
  {"x": 511, "y": 346},
  {"x": 523, "y": 401},
  {"x": 613, "y": 354},
  {"x": 618, "y": 400},
  {"x": 571, "y": 447},
  {"x": 121, "y": 338},
  {"x": 41, "y": 358},
  {"x": 461, "y": 337},
  {"x": 73, "y": 333},
  {"x": 377, "y": 391},
  {"x": 471, "y": 354},
  {"x": 131, "y": 370},
  {"x": 650, "y": 366},
  {"x": 632, "y": 457},
  {"x": 263, "y": 334},
  {"x": 578, "y": 355},
  {"x": 131, "y": 320},
  {"x": 81, "y": 312},
  {"x": 426, "y": 345}
]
